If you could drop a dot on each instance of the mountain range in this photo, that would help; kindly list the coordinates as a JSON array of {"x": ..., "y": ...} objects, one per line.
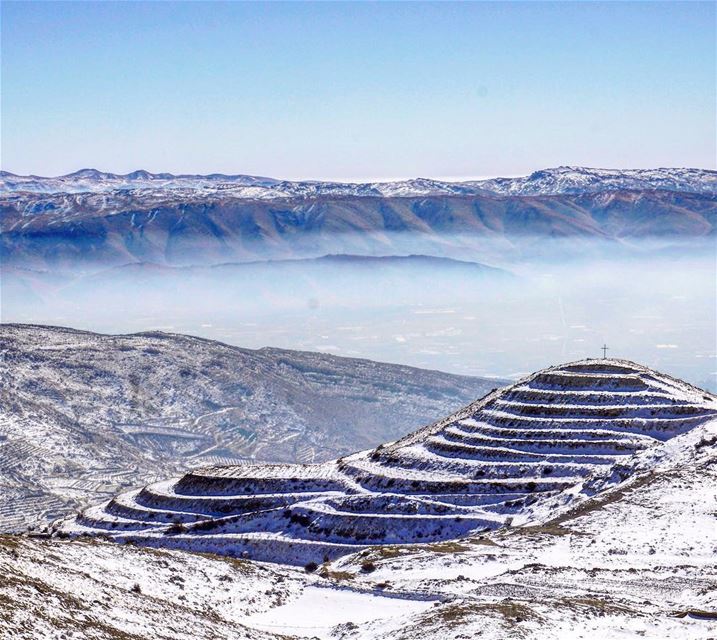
[
  {"x": 151, "y": 471},
  {"x": 556, "y": 181},
  {"x": 91, "y": 217}
]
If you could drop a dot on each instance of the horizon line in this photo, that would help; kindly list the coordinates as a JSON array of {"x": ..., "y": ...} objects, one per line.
[{"x": 354, "y": 180}]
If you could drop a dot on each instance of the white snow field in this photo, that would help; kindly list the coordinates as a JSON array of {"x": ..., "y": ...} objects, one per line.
[
  {"x": 516, "y": 455},
  {"x": 611, "y": 558}
]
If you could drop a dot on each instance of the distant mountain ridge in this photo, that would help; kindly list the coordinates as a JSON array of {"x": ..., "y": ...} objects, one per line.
[
  {"x": 554, "y": 181},
  {"x": 573, "y": 180},
  {"x": 95, "y": 218},
  {"x": 335, "y": 260},
  {"x": 179, "y": 227}
]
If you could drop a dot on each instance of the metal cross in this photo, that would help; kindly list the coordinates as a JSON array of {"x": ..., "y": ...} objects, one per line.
[{"x": 605, "y": 349}]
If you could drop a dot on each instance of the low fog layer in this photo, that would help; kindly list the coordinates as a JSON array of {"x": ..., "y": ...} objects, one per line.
[{"x": 648, "y": 302}]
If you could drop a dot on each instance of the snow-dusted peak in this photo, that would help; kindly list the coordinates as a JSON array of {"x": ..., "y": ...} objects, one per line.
[
  {"x": 94, "y": 181},
  {"x": 560, "y": 180},
  {"x": 572, "y": 180}
]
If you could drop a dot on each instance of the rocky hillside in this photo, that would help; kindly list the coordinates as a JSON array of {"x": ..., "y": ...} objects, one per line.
[
  {"x": 489, "y": 465},
  {"x": 83, "y": 415}
]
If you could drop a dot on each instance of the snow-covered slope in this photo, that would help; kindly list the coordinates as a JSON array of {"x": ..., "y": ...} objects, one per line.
[
  {"x": 634, "y": 560},
  {"x": 84, "y": 415},
  {"x": 571, "y": 180},
  {"x": 621, "y": 558},
  {"x": 52, "y": 591},
  {"x": 477, "y": 470}
]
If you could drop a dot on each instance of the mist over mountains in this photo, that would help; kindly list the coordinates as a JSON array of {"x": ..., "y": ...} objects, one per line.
[
  {"x": 473, "y": 401},
  {"x": 92, "y": 218},
  {"x": 493, "y": 278}
]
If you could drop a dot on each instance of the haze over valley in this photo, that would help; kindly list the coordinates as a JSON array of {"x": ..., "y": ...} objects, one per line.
[{"x": 522, "y": 272}]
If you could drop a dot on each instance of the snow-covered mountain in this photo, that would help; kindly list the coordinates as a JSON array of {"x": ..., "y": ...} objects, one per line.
[
  {"x": 83, "y": 415},
  {"x": 198, "y": 227},
  {"x": 574, "y": 180},
  {"x": 634, "y": 559},
  {"x": 91, "y": 218},
  {"x": 556, "y": 181},
  {"x": 627, "y": 552},
  {"x": 491, "y": 464},
  {"x": 92, "y": 180}
]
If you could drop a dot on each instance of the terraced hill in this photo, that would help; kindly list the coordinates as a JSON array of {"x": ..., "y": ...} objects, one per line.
[
  {"x": 84, "y": 416},
  {"x": 477, "y": 470}
]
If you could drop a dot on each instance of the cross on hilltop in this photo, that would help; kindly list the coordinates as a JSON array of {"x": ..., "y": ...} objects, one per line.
[{"x": 605, "y": 349}]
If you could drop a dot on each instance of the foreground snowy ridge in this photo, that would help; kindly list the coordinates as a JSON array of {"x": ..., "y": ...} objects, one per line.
[
  {"x": 497, "y": 462},
  {"x": 632, "y": 561}
]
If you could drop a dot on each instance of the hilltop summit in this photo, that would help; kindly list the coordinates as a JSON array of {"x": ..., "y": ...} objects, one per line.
[{"x": 479, "y": 469}]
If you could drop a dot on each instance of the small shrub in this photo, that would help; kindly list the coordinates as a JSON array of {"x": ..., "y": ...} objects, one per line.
[
  {"x": 367, "y": 566},
  {"x": 301, "y": 519},
  {"x": 136, "y": 588},
  {"x": 310, "y": 567},
  {"x": 177, "y": 527}
]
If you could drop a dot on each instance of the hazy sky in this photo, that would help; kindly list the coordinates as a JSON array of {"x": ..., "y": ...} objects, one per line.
[{"x": 356, "y": 90}]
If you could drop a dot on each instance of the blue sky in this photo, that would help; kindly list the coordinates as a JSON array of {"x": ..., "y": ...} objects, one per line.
[{"x": 356, "y": 90}]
